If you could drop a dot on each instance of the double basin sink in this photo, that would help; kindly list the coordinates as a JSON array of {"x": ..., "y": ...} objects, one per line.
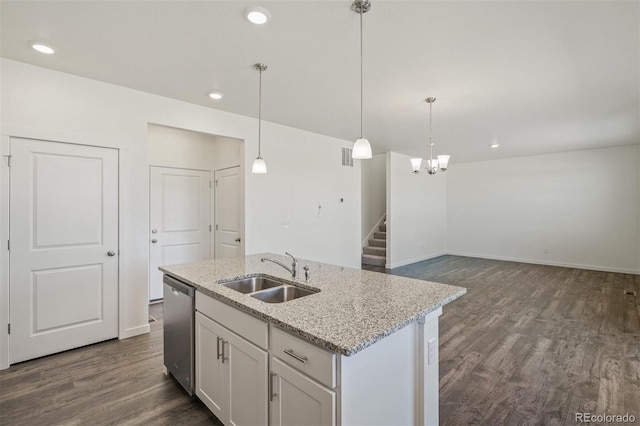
[{"x": 267, "y": 290}]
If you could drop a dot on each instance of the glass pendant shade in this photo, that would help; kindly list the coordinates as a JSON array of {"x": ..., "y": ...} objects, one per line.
[
  {"x": 443, "y": 162},
  {"x": 361, "y": 149},
  {"x": 416, "y": 163},
  {"x": 259, "y": 166},
  {"x": 432, "y": 164}
]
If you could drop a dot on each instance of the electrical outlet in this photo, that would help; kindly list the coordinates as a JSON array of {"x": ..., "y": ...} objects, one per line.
[{"x": 432, "y": 347}]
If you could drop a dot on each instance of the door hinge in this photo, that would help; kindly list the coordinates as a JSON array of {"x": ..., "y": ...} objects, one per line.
[
  {"x": 209, "y": 228},
  {"x": 209, "y": 184},
  {"x": 216, "y": 226},
  {"x": 9, "y": 328},
  {"x": 8, "y": 244},
  {"x": 8, "y": 160}
]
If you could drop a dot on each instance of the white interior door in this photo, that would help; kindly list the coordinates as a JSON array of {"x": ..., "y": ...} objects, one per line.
[
  {"x": 63, "y": 247},
  {"x": 228, "y": 194},
  {"x": 179, "y": 210}
]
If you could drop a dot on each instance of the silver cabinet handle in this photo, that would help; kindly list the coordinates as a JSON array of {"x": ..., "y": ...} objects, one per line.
[
  {"x": 300, "y": 358},
  {"x": 154, "y": 241},
  {"x": 272, "y": 394},
  {"x": 224, "y": 357},
  {"x": 218, "y": 348},
  {"x": 111, "y": 253}
]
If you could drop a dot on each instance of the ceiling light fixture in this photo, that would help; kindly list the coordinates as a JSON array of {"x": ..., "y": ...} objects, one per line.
[
  {"x": 432, "y": 165},
  {"x": 216, "y": 95},
  {"x": 42, "y": 48},
  {"x": 362, "y": 147},
  {"x": 494, "y": 145},
  {"x": 257, "y": 15},
  {"x": 259, "y": 166}
]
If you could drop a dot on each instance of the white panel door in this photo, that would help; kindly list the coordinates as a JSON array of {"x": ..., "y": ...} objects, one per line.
[
  {"x": 228, "y": 213},
  {"x": 179, "y": 219},
  {"x": 64, "y": 246}
]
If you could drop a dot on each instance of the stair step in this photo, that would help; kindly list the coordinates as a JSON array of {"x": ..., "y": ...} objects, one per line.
[
  {"x": 378, "y": 243},
  {"x": 382, "y": 228},
  {"x": 372, "y": 259},
  {"x": 378, "y": 251},
  {"x": 380, "y": 235}
]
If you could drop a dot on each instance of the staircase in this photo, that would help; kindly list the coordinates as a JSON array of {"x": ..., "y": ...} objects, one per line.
[{"x": 376, "y": 252}]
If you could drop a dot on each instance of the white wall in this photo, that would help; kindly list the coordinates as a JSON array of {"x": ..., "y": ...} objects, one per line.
[
  {"x": 582, "y": 207},
  {"x": 416, "y": 213},
  {"x": 43, "y": 104},
  {"x": 374, "y": 192}
]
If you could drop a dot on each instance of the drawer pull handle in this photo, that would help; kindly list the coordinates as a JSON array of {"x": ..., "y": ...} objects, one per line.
[
  {"x": 272, "y": 394},
  {"x": 218, "y": 348},
  {"x": 292, "y": 354}
]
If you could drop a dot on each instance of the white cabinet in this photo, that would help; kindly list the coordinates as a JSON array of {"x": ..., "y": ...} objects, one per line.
[
  {"x": 298, "y": 400},
  {"x": 231, "y": 374}
]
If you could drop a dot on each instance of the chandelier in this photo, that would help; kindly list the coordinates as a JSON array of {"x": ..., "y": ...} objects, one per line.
[{"x": 432, "y": 165}]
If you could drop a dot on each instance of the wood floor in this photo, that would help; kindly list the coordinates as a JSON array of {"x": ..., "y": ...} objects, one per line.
[{"x": 526, "y": 345}]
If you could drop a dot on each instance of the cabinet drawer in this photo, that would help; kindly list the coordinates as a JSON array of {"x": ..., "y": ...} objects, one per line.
[
  {"x": 247, "y": 326},
  {"x": 306, "y": 357}
]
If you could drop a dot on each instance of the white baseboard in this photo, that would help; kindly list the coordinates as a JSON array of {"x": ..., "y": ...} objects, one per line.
[
  {"x": 135, "y": 331},
  {"x": 547, "y": 263},
  {"x": 410, "y": 261}
]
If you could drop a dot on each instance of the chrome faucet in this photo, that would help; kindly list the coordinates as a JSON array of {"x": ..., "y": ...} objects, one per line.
[{"x": 294, "y": 266}]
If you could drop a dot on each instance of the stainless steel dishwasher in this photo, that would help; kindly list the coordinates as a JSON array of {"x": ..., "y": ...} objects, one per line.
[{"x": 178, "y": 317}]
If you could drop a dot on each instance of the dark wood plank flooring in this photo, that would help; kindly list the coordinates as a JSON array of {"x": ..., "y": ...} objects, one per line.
[
  {"x": 527, "y": 344},
  {"x": 532, "y": 344}
]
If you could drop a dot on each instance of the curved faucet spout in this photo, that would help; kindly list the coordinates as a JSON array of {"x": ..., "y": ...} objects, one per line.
[{"x": 294, "y": 266}]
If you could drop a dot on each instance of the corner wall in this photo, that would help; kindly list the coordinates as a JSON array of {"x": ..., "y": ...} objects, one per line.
[
  {"x": 576, "y": 209},
  {"x": 416, "y": 213}
]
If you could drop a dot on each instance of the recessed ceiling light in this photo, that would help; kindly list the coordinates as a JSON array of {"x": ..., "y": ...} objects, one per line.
[
  {"x": 494, "y": 145},
  {"x": 216, "y": 95},
  {"x": 257, "y": 15},
  {"x": 42, "y": 48}
]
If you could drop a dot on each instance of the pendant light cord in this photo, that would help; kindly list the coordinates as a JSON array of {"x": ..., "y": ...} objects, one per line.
[
  {"x": 361, "y": 73},
  {"x": 260, "y": 114},
  {"x": 430, "y": 135}
]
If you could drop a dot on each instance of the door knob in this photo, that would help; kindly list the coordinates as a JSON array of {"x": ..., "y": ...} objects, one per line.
[
  {"x": 238, "y": 240},
  {"x": 111, "y": 253},
  {"x": 154, "y": 231},
  {"x": 154, "y": 241}
]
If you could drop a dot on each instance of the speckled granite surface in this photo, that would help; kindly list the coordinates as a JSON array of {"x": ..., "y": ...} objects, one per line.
[{"x": 353, "y": 310}]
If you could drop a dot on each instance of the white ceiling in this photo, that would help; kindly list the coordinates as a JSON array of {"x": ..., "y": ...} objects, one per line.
[{"x": 537, "y": 77}]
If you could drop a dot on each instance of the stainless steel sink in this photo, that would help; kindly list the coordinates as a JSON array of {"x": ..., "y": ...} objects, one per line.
[
  {"x": 281, "y": 294},
  {"x": 251, "y": 285}
]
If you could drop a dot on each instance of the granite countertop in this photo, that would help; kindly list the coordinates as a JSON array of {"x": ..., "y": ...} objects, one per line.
[{"x": 353, "y": 310}]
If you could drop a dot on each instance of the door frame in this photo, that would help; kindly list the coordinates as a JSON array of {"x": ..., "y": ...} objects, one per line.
[
  {"x": 213, "y": 209},
  {"x": 5, "y": 198}
]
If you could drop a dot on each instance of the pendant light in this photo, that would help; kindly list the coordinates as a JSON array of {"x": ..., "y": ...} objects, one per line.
[
  {"x": 361, "y": 148},
  {"x": 433, "y": 166},
  {"x": 259, "y": 166}
]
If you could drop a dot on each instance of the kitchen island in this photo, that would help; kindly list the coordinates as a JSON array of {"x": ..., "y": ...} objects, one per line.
[{"x": 362, "y": 349}]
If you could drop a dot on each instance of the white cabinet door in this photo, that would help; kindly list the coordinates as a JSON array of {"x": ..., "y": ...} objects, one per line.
[
  {"x": 298, "y": 400},
  {"x": 179, "y": 219},
  {"x": 211, "y": 373},
  {"x": 64, "y": 247},
  {"x": 231, "y": 375},
  {"x": 247, "y": 365}
]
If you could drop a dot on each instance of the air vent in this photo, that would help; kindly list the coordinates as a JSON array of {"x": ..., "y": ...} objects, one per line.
[{"x": 347, "y": 157}]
